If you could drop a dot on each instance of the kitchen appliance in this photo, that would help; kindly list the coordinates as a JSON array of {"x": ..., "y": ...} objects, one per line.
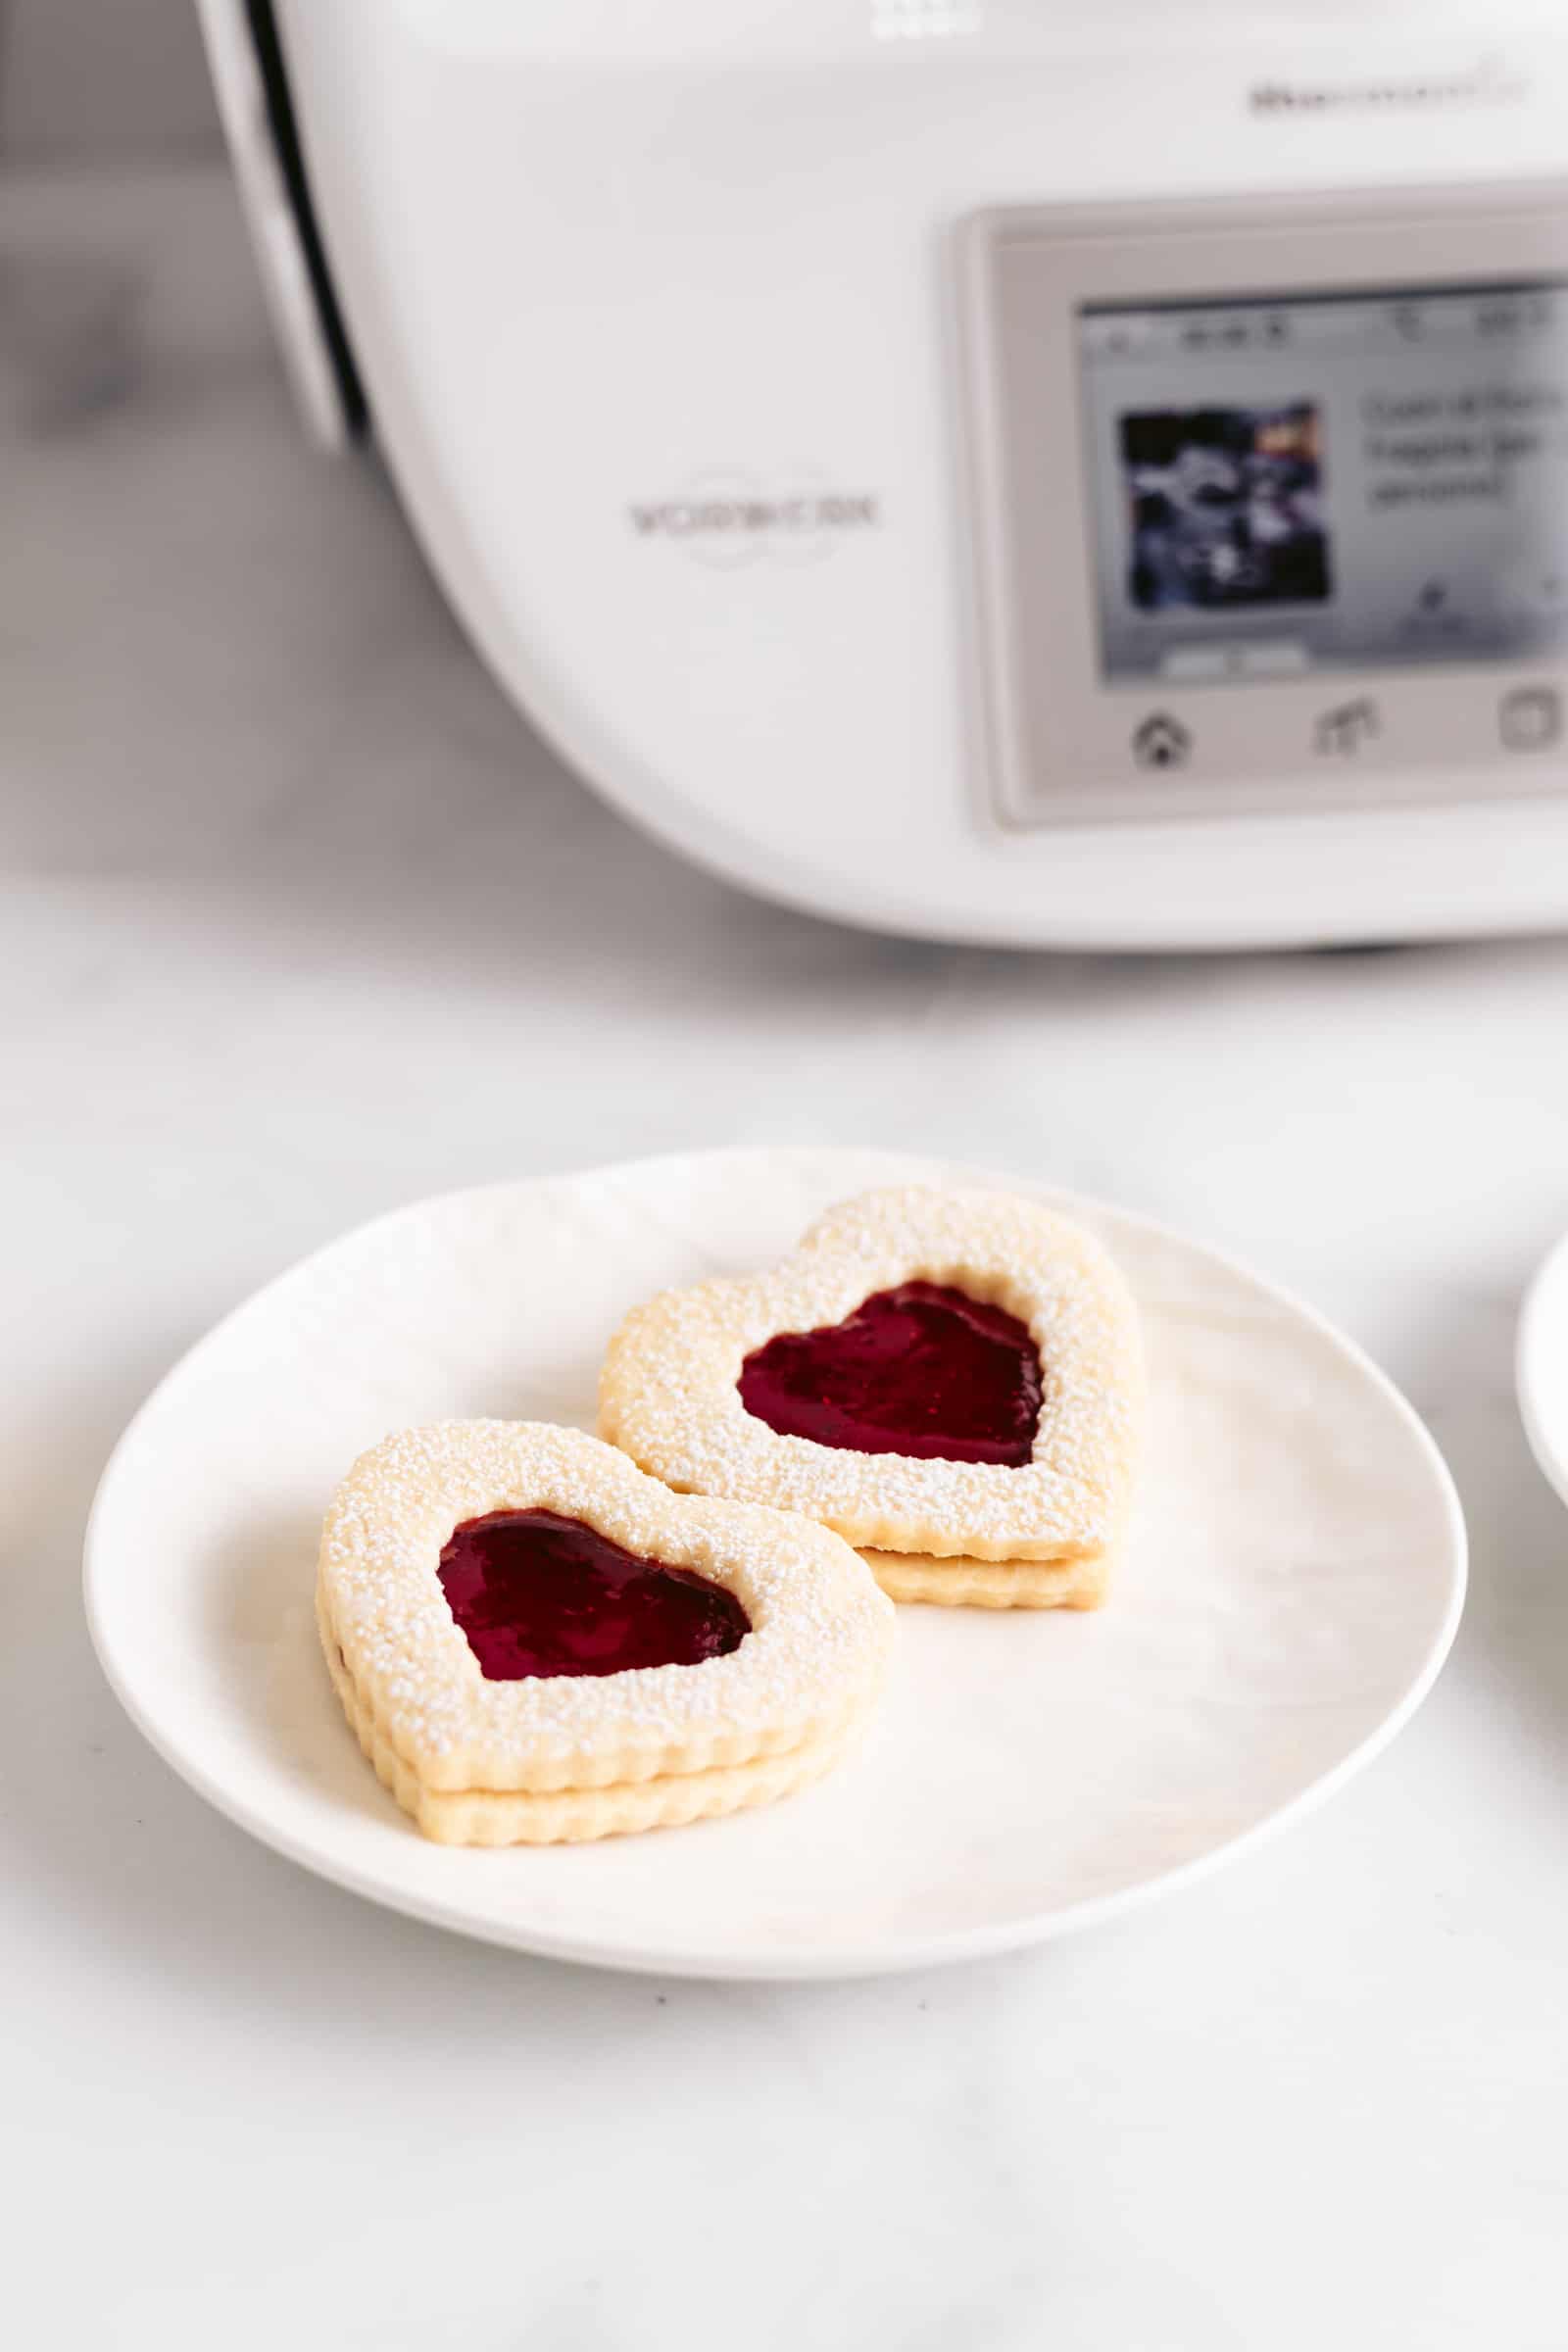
[{"x": 992, "y": 469}]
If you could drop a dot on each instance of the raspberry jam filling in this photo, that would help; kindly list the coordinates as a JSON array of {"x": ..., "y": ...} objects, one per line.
[
  {"x": 920, "y": 1370},
  {"x": 537, "y": 1593}
]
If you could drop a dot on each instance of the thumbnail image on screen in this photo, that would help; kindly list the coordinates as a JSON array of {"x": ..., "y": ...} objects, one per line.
[
  {"x": 1360, "y": 479},
  {"x": 1225, "y": 507}
]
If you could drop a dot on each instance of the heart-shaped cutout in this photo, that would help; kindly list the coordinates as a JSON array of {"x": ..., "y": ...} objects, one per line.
[
  {"x": 539, "y": 1593},
  {"x": 921, "y": 1369}
]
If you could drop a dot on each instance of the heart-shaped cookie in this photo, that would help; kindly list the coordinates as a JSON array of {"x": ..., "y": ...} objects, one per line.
[
  {"x": 536, "y": 1642},
  {"x": 950, "y": 1380}
]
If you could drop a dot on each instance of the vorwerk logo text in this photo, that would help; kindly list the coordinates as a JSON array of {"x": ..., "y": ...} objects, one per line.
[{"x": 689, "y": 517}]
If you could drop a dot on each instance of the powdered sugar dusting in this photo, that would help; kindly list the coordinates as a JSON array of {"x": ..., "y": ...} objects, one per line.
[
  {"x": 668, "y": 1394},
  {"x": 820, "y": 1630}
]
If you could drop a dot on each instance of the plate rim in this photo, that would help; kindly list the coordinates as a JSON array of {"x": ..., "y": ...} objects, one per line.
[
  {"x": 823, "y": 1960},
  {"x": 1546, "y": 1301}
]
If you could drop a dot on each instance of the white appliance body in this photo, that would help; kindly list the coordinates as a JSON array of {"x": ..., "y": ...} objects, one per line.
[{"x": 693, "y": 334}]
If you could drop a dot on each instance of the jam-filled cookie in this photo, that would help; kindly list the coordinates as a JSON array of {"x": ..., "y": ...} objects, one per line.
[
  {"x": 535, "y": 1643},
  {"x": 949, "y": 1380}
]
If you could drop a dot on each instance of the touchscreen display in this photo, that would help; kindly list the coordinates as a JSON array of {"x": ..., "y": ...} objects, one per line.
[{"x": 1334, "y": 481}]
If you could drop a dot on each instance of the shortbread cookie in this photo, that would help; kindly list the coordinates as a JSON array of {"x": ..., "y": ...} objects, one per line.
[
  {"x": 952, "y": 1378},
  {"x": 969, "y": 1584},
  {"x": 535, "y": 1643}
]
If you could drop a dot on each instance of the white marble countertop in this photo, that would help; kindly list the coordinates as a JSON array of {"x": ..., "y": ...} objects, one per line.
[{"x": 299, "y": 923}]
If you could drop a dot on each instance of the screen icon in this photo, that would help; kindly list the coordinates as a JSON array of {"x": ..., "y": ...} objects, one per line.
[
  {"x": 1340, "y": 732},
  {"x": 1162, "y": 742},
  {"x": 1530, "y": 718}
]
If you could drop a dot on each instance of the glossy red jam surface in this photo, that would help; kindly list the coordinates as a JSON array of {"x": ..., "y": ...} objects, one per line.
[
  {"x": 919, "y": 1370},
  {"x": 537, "y": 1593}
]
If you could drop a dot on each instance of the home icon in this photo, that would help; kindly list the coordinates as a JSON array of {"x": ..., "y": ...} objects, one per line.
[{"x": 1162, "y": 742}]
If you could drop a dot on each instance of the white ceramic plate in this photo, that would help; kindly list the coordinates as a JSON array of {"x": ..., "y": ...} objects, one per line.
[
  {"x": 1293, "y": 1583},
  {"x": 1541, "y": 1367}
]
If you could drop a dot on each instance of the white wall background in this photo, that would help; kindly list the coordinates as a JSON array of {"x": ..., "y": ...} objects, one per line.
[{"x": 89, "y": 81}]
